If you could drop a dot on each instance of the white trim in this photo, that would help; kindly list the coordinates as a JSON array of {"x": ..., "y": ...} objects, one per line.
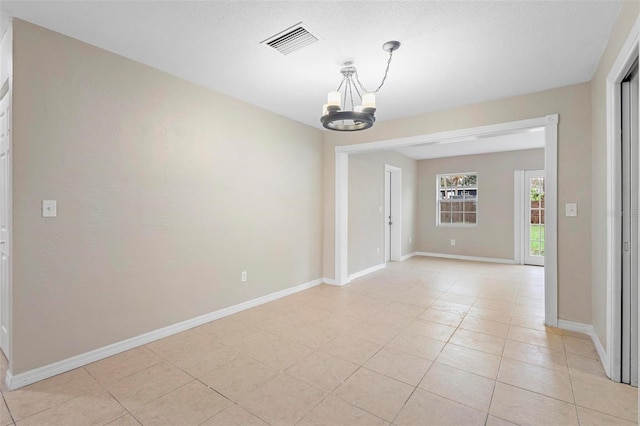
[
  {"x": 604, "y": 359},
  {"x": 551, "y": 220},
  {"x": 408, "y": 256},
  {"x": 578, "y": 327},
  {"x": 367, "y": 271},
  {"x": 7, "y": 49},
  {"x": 588, "y": 330},
  {"x": 443, "y": 137},
  {"x": 329, "y": 281},
  {"x": 342, "y": 219},
  {"x": 44, "y": 372},
  {"x": 461, "y": 257},
  {"x": 627, "y": 54},
  {"x": 550, "y": 124}
]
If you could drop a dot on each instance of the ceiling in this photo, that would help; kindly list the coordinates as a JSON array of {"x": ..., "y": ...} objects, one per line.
[{"x": 452, "y": 54}]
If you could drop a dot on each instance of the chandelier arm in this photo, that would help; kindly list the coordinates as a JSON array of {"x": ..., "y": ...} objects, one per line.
[
  {"x": 351, "y": 94},
  {"x": 384, "y": 78},
  {"x": 341, "y": 83},
  {"x": 355, "y": 86}
]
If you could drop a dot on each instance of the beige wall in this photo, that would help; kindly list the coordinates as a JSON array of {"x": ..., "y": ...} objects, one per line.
[
  {"x": 166, "y": 192},
  {"x": 628, "y": 16},
  {"x": 366, "y": 196},
  {"x": 493, "y": 235},
  {"x": 573, "y": 104}
]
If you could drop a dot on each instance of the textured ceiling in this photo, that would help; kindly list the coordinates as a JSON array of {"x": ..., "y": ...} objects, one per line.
[{"x": 452, "y": 54}]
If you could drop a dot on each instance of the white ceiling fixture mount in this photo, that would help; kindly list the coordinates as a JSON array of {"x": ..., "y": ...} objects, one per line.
[{"x": 340, "y": 112}]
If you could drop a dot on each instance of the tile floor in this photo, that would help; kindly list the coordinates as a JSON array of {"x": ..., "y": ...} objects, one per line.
[{"x": 422, "y": 342}]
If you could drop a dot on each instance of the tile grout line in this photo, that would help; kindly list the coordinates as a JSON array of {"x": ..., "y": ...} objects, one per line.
[
  {"x": 8, "y": 409},
  {"x": 573, "y": 393},
  {"x": 113, "y": 396}
]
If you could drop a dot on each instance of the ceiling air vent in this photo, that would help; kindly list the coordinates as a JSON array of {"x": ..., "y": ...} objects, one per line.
[{"x": 291, "y": 39}]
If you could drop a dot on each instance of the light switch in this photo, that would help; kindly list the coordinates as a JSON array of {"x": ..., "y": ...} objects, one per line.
[
  {"x": 571, "y": 209},
  {"x": 49, "y": 208}
]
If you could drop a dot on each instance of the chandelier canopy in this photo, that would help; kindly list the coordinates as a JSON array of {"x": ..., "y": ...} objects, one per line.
[{"x": 340, "y": 112}]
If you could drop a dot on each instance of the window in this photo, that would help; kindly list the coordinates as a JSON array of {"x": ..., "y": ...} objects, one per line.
[{"x": 457, "y": 199}]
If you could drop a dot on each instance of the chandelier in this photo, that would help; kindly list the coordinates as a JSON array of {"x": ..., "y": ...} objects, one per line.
[{"x": 341, "y": 112}]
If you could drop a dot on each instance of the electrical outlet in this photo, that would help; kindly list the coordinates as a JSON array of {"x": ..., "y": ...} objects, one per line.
[
  {"x": 453, "y": 242},
  {"x": 243, "y": 276}
]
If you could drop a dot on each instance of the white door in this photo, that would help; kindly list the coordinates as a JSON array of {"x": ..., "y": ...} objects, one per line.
[
  {"x": 387, "y": 216},
  {"x": 534, "y": 217},
  {"x": 392, "y": 213},
  {"x": 5, "y": 138},
  {"x": 629, "y": 197}
]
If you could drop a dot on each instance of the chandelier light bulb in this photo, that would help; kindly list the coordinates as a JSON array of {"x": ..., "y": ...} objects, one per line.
[
  {"x": 333, "y": 99},
  {"x": 325, "y": 111},
  {"x": 368, "y": 100},
  {"x": 358, "y": 108}
]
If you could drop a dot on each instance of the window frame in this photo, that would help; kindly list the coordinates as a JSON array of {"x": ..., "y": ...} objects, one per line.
[{"x": 439, "y": 188}]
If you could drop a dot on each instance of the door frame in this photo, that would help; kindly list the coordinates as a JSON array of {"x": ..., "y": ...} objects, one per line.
[
  {"x": 7, "y": 77},
  {"x": 5, "y": 302},
  {"x": 550, "y": 125},
  {"x": 612, "y": 359},
  {"x": 395, "y": 237}
]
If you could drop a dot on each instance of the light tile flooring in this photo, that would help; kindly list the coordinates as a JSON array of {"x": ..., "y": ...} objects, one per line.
[{"x": 422, "y": 342}]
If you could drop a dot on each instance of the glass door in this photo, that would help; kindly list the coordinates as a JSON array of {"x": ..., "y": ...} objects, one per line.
[{"x": 534, "y": 217}]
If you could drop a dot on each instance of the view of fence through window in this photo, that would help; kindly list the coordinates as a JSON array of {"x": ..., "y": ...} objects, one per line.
[
  {"x": 457, "y": 199},
  {"x": 536, "y": 234}
]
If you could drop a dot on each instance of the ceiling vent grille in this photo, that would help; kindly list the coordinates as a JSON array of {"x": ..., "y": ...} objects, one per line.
[{"x": 291, "y": 39}]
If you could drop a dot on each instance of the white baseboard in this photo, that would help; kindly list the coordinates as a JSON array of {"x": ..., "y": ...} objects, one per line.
[
  {"x": 461, "y": 257},
  {"x": 408, "y": 255},
  {"x": 329, "y": 281},
  {"x": 44, "y": 372},
  {"x": 366, "y": 271},
  {"x": 588, "y": 330},
  {"x": 604, "y": 358},
  {"x": 578, "y": 327}
]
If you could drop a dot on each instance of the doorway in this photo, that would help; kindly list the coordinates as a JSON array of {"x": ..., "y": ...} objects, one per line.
[
  {"x": 534, "y": 215},
  {"x": 629, "y": 233},
  {"x": 550, "y": 125},
  {"x": 392, "y": 213}
]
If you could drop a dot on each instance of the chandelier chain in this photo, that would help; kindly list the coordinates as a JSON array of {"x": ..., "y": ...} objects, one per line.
[{"x": 386, "y": 72}]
